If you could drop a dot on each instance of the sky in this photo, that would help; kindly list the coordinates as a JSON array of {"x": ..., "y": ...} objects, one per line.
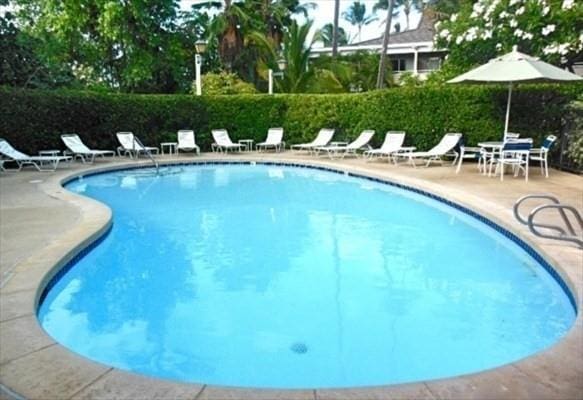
[{"x": 324, "y": 13}]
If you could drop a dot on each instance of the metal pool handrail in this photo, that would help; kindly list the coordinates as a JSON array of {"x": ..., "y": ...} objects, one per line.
[
  {"x": 570, "y": 236},
  {"x": 148, "y": 153}
]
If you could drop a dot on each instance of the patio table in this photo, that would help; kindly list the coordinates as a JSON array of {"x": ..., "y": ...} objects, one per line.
[{"x": 490, "y": 149}]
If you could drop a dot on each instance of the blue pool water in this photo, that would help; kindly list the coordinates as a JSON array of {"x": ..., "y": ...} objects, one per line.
[{"x": 273, "y": 276}]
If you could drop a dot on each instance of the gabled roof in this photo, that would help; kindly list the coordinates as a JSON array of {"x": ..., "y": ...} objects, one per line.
[{"x": 424, "y": 32}]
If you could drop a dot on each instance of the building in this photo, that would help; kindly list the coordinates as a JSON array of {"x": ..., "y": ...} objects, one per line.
[{"x": 409, "y": 51}]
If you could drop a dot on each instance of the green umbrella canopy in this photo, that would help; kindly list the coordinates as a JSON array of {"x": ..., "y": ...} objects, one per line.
[{"x": 515, "y": 67}]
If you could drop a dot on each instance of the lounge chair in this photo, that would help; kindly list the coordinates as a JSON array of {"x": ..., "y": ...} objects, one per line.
[
  {"x": 360, "y": 142},
  {"x": 446, "y": 144},
  {"x": 541, "y": 154},
  {"x": 132, "y": 146},
  {"x": 324, "y": 137},
  {"x": 392, "y": 144},
  {"x": 21, "y": 159},
  {"x": 223, "y": 142},
  {"x": 274, "y": 140},
  {"x": 78, "y": 149},
  {"x": 186, "y": 142},
  {"x": 515, "y": 152}
]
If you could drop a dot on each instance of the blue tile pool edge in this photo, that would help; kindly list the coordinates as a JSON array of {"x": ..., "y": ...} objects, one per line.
[{"x": 82, "y": 251}]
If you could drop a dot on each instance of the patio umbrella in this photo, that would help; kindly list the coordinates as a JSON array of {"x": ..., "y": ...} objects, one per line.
[{"x": 515, "y": 67}]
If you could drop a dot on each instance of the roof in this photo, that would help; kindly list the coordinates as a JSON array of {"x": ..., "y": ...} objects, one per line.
[{"x": 424, "y": 32}]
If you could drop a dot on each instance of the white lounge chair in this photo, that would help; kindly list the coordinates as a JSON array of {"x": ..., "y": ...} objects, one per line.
[
  {"x": 445, "y": 145},
  {"x": 359, "y": 143},
  {"x": 324, "y": 137},
  {"x": 22, "y": 159},
  {"x": 186, "y": 141},
  {"x": 223, "y": 142},
  {"x": 392, "y": 144},
  {"x": 132, "y": 146},
  {"x": 78, "y": 149},
  {"x": 274, "y": 140}
]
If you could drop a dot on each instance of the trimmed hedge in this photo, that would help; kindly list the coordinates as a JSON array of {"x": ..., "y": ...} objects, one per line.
[{"x": 34, "y": 119}]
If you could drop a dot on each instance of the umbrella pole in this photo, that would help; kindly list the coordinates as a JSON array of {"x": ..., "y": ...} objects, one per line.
[{"x": 508, "y": 110}]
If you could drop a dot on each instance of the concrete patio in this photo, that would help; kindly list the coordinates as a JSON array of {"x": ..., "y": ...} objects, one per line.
[{"x": 42, "y": 226}]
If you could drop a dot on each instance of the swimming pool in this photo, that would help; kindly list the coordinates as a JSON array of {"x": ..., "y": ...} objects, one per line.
[{"x": 275, "y": 276}]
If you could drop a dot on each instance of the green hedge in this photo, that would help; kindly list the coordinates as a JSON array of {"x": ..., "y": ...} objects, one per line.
[{"x": 34, "y": 119}]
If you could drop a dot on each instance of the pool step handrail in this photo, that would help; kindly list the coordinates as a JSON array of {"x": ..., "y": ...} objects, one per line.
[
  {"x": 569, "y": 235},
  {"x": 148, "y": 153}
]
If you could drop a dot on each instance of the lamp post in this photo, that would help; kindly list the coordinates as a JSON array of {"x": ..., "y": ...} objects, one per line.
[
  {"x": 281, "y": 64},
  {"x": 200, "y": 47}
]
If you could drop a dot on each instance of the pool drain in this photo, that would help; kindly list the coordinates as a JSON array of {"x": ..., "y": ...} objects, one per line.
[{"x": 299, "y": 348}]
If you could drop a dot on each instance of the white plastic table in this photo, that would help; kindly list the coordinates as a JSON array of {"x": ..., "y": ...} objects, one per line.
[
  {"x": 248, "y": 143},
  {"x": 171, "y": 146}
]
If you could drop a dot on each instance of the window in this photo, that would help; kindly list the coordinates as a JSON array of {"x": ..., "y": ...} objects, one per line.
[
  {"x": 398, "y": 65},
  {"x": 429, "y": 63}
]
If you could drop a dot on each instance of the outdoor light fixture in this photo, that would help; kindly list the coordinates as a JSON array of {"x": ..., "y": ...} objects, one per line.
[
  {"x": 200, "y": 47},
  {"x": 282, "y": 65}
]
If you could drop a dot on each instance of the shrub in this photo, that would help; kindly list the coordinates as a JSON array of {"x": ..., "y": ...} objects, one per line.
[
  {"x": 34, "y": 119},
  {"x": 224, "y": 83}
]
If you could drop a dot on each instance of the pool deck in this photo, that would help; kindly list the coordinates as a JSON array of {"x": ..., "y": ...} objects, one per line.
[{"x": 42, "y": 226}]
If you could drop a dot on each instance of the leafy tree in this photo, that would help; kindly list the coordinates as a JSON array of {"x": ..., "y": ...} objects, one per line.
[
  {"x": 129, "y": 46},
  {"x": 18, "y": 62},
  {"x": 326, "y": 35},
  {"x": 356, "y": 15},
  {"x": 487, "y": 28}
]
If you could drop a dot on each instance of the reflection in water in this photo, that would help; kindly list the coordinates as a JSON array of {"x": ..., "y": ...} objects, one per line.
[{"x": 215, "y": 275}]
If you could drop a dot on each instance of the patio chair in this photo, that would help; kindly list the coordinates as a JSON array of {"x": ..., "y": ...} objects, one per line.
[
  {"x": 223, "y": 142},
  {"x": 392, "y": 144},
  {"x": 445, "y": 145},
  {"x": 22, "y": 159},
  {"x": 515, "y": 152},
  {"x": 462, "y": 152},
  {"x": 350, "y": 149},
  {"x": 132, "y": 146},
  {"x": 274, "y": 140},
  {"x": 77, "y": 148},
  {"x": 324, "y": 137},
  {"x": 541, "y": 154},
  {"x": 186, "y": 142}
]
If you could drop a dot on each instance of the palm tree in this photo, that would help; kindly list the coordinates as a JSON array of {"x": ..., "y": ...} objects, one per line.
[
  {"x": 356, "y": 15},
  {"x": 226, "y": 27},
  {"x": 296, "y": 51},
  {"x": 383, "y": 58},
  {"x": 384, "y": 5},
  {"x": 407, "y": 6},
  {"x": 276, "y": 14},
  {"x": 335, "y": 33},
  {"x": 327, "y": 32}
]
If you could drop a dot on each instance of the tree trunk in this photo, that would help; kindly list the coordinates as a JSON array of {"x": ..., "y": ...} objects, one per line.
[
  {"x": 383, "y": 59},
  {"x": 335, "y": 30}
]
